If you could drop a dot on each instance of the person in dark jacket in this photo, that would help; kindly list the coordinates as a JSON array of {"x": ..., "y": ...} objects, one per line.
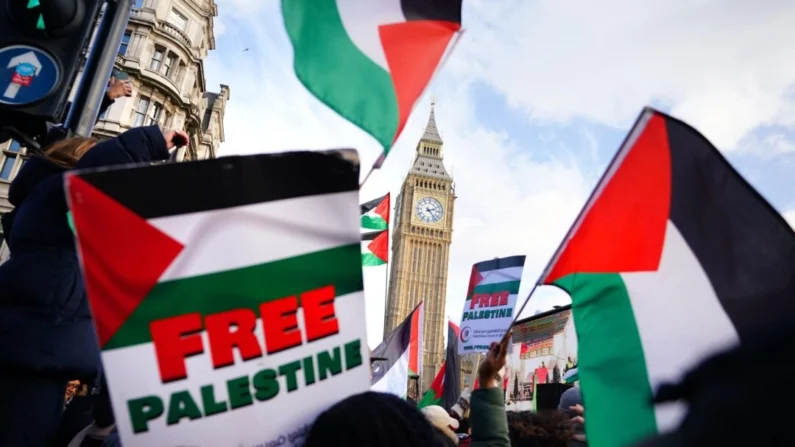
[{"x": 46, "y": 333}]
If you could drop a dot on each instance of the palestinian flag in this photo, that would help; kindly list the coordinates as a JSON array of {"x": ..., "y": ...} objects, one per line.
[
  {"x": 446, "y": 386},
  {"x": 402, "y": 349},
  {"x": 370, "y": 60},
  {"x": 375, "y": 244},
  {"x": 162, "y": 242},
  {"x": 375, "y": 214},
  {"x": 490, "y": 301},
  {"x": 375, "y": 250},
  {"x": 674, "y": 257}
]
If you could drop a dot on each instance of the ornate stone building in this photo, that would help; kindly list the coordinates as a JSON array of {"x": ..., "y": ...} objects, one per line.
[
  {"x": 420, "y": 248},
  {"x": 163, "y": 52}
]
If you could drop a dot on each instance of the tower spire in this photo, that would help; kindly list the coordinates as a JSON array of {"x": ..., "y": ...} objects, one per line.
[{"x": 431, "y": 132}]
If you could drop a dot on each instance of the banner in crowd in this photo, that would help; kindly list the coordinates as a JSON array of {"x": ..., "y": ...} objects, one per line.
[
  {"x": 227, "y": 294},
  {"x": 544, "y": 349},
  {"x": 490, "y": 303}
]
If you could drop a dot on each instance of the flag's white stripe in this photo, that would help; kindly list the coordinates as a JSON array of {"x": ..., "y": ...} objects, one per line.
[
  {"x": 282, "y": 411},
  {"x": 395, "y": 381},
  {"x": 361, "y": 19},
  {"x": 501, "y": 275},
  {"x": 679, "y": 317},
  {"x": 248, "y": 235}
]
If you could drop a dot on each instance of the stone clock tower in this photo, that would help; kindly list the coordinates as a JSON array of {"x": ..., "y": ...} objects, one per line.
[{"x": 421, "y": 240}]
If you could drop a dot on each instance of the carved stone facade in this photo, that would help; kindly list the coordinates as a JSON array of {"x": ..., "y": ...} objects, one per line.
[
  {"x": 163, "y": 52},
  {"x": 420, "y": 249}
]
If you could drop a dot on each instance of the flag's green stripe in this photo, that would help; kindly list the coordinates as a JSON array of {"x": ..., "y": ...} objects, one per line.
[
  {"x": 330, "y": 66},
  {"x": 243, "y": 288},
  {"x": 374, "y": 222},
  {"x": 429, "y": 399},
  {"x": 70, "y": 220},
  {"x": 511, "y": 286},
  {"x": 371, "y": 260},
  {"x": 611, "y": 364}
]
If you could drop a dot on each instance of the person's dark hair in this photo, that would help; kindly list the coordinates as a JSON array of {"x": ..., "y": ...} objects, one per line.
[
  {"x": 442, "y": 440},
  {"x": 544, "y": 429},
  {"x": 369, "y": 419}
]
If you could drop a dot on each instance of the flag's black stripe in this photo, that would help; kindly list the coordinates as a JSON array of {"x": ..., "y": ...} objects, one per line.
[
  {"x": 172, "y": 189},
  {"x": 372, "y": 235},
  {"x": 366, "y": 207},
  {"x": 393, "y": 346},
  {"x": 745, "y": 247},
  {"x": 500, "y": 263},
  {"x": 446, "y": 10},
  {"x": 452, "y": 370}
]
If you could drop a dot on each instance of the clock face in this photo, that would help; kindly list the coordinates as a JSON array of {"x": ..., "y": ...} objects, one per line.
[{"x": 429, "y": 210}]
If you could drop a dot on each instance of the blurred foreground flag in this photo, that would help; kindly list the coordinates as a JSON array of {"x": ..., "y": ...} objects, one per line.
[
  {"x": 674, "y": 257},
  {"x": 370, "y": 60}
]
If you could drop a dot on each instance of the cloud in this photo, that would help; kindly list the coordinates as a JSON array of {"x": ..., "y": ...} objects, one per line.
[
  {"x": 789, "y": 216},
  {"x": 723, "y": 66}
]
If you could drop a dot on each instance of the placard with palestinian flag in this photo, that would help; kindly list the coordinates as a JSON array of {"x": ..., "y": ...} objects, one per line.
[
  {"x": 490, "y": 303},
  {"x": 674, "y": 258},
  {"x": 227, "y": 294}
]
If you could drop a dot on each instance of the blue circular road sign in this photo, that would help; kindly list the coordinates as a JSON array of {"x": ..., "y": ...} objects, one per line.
[{"x": 27, "y": 75}]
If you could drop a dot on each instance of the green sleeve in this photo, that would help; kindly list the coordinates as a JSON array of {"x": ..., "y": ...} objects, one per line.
[
  {"x": 487, "y": 416},
  {"x": 71, "y": 221}
]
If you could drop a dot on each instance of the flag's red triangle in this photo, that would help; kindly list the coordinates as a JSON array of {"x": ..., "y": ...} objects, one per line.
[
  {"x": 123, "y": 256},
  {"x": 624, "y": 229},
  {"x": 455, "y": 328},
  {"x": 474, "y": 280},
  {"x": 383, "y": 209},
  {"x": 380, "y": 246},
  {"x": 413, "y": 51}
]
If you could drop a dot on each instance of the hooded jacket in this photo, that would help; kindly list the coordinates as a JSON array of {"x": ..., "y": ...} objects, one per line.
[{"x": 45, "y": 323}]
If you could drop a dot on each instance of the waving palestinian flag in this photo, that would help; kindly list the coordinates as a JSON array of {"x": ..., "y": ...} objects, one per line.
[
  {"x": 674, "y": 257},
  {"x": 375, "y": 244},
  {"x": 375, "y": 213},
  {"x": 370, "y": 60},
  {"x": 402, "y": 351},
  {"x": 446, "y": 385}
]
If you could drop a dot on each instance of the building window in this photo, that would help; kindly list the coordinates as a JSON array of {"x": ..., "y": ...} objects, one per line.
[
  {"x": 125, "y": 42},
  {"x": 177, "y": 19},
  {"x": 157, "y": 59},
  {"x": 10, "y": 156},
  {"x": 138, "y": 4},
  {"x": 140, "y": 111},
  {"x": 155, "y": 115},
  {"x": 171, "y": 64}
]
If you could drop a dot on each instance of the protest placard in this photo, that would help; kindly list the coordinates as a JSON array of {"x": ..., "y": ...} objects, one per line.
[
  {"x": 490, "y": 303},
  {"x": 227, "y": 294}
]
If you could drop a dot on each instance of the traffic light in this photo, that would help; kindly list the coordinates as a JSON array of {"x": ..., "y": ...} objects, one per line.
[{"x": 40, "y": 49}]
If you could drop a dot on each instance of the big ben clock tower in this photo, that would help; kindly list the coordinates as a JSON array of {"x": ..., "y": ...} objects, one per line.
[{"x": 420, "y": 248}]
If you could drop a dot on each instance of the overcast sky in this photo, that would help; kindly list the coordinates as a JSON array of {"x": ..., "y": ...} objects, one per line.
[{"x": 532, "y": 104}]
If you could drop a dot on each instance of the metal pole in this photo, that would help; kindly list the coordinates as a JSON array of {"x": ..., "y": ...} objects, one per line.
[{"x": 88, "y": 99}]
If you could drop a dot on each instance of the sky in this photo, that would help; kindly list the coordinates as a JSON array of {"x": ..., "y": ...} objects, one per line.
[{"x": 532, "y": 104}]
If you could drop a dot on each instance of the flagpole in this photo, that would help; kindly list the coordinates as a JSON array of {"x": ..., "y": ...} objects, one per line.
[{"x": 625, "y": 145}]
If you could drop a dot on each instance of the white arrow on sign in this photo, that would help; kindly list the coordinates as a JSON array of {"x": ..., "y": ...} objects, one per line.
[{"x": 27, "y": 58}]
